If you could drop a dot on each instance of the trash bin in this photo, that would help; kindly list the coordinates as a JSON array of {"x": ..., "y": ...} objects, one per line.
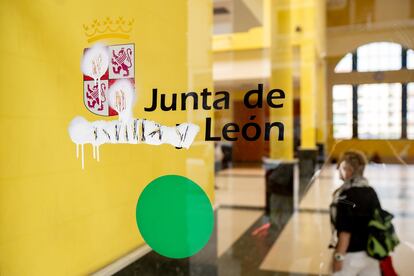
[
  {"x": 279, "y": 190},
  {"x": 307, "y": 163}
]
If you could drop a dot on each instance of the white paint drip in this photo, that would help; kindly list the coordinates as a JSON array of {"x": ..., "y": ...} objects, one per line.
[
  {"x": 95, "y": 63},
  {"x": 122, "y": 99},
  {"x": 97, "y": 153},
  {"x": 126, "y": 130},
  {"x": 135, "y": 131},
  {"x": 83, "y": 158}
]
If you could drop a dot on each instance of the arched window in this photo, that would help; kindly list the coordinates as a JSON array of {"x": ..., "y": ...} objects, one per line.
[
  {"x": 369, "y": 110},
  {"x": 379, "y": 111},
  {"x": 379, "y": 56},
  {"x": 410, "y": 110},
  {"x": 410, "y": 59},
  {"x": 345, "y": 64},
  {"x": 342, "y": 111}
]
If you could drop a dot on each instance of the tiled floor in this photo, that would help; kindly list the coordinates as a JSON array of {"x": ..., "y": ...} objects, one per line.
[
  {"x": 301, "y": 246},
  {"x": 231, "y": 224},
  {"x": 241, "y": 187}
]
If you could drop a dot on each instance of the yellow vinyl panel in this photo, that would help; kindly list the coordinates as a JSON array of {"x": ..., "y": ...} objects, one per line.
[
  {"x": 57, "y": 219},
  {"x": 199, "y": 164}
]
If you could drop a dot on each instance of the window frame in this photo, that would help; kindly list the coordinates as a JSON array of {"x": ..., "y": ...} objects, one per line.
[{"x": 404, "y": 96}]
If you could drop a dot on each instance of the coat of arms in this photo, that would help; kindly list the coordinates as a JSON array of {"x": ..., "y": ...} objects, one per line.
[
  {"x": 96, "y": 82},
  {"x": 108, "y": 90}
]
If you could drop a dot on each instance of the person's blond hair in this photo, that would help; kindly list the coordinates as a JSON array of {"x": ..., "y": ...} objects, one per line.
[{"x": 356, "y": 159}]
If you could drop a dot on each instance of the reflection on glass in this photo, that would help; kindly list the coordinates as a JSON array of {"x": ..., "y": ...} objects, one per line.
[
  {"x": 379, "y": 111},
  {"x": 342, "y": 111},
  {"x": 410, "y": 110},
  {"x": 345, "y": 64}
]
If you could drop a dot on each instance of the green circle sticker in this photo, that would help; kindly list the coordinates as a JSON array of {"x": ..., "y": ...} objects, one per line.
[{"x": 174, "y": 216}]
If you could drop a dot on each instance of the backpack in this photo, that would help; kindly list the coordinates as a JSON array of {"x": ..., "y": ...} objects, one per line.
[{"x": 382, "y": 238}]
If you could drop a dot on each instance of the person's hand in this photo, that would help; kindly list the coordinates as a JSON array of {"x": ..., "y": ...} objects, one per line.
[{"x": 337, "y": 265}]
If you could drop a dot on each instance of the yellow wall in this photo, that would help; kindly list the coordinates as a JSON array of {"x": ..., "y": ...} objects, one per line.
[
  {"x": 304, "y": 17},
  {"x": 55, "y": 218},
  {"x": 252, "y": 39}
]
